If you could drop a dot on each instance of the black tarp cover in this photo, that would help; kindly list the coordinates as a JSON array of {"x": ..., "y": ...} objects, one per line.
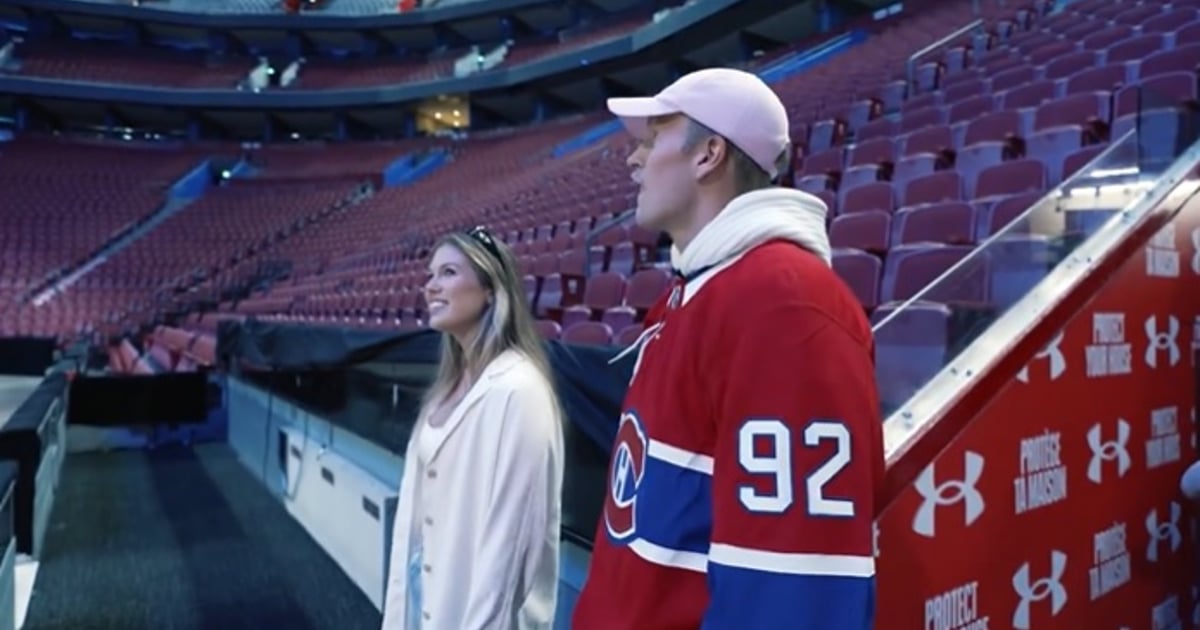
[{"x": 589, "y": 387}]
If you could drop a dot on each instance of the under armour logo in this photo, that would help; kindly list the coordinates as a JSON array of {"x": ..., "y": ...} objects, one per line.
[
  {"x": 1114, "y": 450},
  {"x": 1050, "y": 586},
  {"x": 1159, "y": 532},
  {"x": 949, "y": 493},
  {"x": 1052, "y": 351},
  {"x": 1162, "y": 340}
]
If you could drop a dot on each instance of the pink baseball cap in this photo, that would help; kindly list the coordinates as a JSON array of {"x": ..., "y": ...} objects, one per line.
[{"x": 737, "y": 105}]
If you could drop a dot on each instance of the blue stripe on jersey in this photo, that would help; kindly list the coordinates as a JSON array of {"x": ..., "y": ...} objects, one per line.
[
  {"x": 674, "y": 507},
  {"x": 751, "y": 600}
]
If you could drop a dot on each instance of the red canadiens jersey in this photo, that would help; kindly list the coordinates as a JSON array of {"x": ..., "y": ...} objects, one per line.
[{"x": 743, "y": 481}]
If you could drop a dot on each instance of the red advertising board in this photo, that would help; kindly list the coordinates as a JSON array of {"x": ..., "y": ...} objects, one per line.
[{"x": 1058, "y": 506}]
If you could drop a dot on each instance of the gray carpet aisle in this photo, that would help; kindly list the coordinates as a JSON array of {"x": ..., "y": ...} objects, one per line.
[{"x": 183, "y": 539}]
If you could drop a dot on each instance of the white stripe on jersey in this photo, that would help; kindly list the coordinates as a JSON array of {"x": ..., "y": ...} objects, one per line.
[
  {"x": 667, "y": 557},
  {"x": 756, "y": 560},
  {"x": 792, "y": 563},
  {"x": 679, "y": 457}
]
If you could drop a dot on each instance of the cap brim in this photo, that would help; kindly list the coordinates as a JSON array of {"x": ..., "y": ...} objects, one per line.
[{"x": 636, "y": 112}]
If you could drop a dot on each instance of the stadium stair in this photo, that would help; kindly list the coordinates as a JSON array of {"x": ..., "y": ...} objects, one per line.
[
  {"x": 241, "y": 275},
  {"x": 335, "y": 192},
  {"x": 797, "y": 62},
  {"x": 414, "y": 167},
  {"x": 588, "y": 138},
  {"x": 242, "y": 169},
  {"x": 186, "y": 190}
]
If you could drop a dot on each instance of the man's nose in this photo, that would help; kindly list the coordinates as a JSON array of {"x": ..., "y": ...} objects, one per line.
[{"x": 635, "y": 158}]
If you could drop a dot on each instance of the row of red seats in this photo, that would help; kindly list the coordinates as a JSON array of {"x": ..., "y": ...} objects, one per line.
[{"x": 167, "y": 349}]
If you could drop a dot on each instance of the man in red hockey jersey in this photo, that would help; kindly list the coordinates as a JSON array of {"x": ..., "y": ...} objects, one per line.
[{"x": 742, "y": 485}]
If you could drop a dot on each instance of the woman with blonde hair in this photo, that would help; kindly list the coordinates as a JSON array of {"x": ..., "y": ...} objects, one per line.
[{"x": 476, "y": 537}]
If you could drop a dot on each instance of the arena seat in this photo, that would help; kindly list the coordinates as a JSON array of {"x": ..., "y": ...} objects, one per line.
[
  {"x": 593, "y": 333},
  {"x": 914, "y": 175}
]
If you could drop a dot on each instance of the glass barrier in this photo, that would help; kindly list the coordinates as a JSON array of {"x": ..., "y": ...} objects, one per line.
[{"x": 943, "y": 297}]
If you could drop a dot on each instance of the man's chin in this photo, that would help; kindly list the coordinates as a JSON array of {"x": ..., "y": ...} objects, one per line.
[{"x": 646, "y": 219}]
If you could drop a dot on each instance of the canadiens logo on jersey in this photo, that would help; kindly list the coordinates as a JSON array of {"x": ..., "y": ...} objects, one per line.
[{"x": 625, "y": 472}]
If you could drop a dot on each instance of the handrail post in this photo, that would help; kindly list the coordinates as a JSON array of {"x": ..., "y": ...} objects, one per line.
[
  {"x": 604, "y": 226},
  {"x": 942, "y": 41}
]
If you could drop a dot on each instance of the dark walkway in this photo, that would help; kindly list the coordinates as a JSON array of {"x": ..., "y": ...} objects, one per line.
[{"x": 183, "y": 538}]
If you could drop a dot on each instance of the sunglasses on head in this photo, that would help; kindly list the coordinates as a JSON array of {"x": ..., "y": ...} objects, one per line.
[{"x": 485, "y": 238}]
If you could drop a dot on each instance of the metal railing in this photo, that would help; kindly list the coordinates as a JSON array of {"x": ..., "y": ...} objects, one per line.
[
  {"x": 911, "y": 67},
  {"x": 595, "y": 232}
]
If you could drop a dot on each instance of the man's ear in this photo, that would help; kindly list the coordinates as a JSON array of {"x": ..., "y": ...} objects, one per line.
[{"x": 710, "y": 155}]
